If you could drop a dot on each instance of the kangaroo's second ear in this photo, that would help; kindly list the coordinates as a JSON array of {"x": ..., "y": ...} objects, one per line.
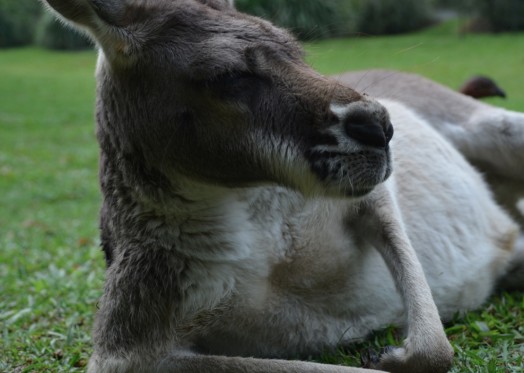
[{"x": 90, "y": 13}]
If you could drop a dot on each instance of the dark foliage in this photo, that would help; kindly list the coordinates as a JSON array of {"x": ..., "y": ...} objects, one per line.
[
  {"x": 17, "y": 21},
  {"x": 307, "y": 19},
  {"x": 502, "y": 15},
  {"x": 52, "y": 34},
  {"x": 391, "y": 16},
  {"x": 311, "y": 19}
]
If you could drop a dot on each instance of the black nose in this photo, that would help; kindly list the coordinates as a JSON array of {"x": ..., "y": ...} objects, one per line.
[{"x": 368, "y": 130}]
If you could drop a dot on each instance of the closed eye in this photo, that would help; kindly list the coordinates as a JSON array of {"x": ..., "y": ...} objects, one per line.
[{"x": 236, "y": 85}]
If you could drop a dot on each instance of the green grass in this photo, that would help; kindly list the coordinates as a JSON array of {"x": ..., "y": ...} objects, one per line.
[{"x": 51, "y": 268}]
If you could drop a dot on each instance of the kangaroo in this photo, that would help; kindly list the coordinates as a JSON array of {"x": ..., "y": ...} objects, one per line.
[{"x": 251, "y": 214}]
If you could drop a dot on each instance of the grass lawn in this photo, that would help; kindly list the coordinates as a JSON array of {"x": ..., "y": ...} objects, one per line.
[{"x": 51, "y": 268}]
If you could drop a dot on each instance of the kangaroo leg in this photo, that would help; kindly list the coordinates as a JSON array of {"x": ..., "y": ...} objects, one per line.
[
  {"x": 222, "y": 364},
  {"x": 493, "y": 141},
  {"x": 183, "y": 362},
  {"x": 426, "y": 348},
  {"x": 491, "y": 138}
]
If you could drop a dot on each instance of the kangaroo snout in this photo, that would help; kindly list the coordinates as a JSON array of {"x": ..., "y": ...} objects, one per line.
[{"x": 366, "y": 122}]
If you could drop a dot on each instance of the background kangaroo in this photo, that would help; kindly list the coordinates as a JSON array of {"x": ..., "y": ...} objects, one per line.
[{"x": 249, "y": 204}]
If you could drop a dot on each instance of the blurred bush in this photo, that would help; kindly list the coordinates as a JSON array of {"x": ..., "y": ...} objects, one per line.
[
  {"x": 502, "y": 15},
  {"x": 307, "y": 19},
  {"x": 17, "y": 21},
  {"x": 52, "y": 34},
  {"x": 311, "y": 19},
  {"x": 488, "y": 15},
  {"x": 23, "y": 22},
  {"x": 460, "y": 5},
  {"x": 391, "y": 16}
]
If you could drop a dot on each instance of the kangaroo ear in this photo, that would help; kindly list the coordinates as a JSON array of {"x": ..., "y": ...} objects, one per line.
[
  {"x": 93, "y": 14},
  {"x": 99, "y": 18}
]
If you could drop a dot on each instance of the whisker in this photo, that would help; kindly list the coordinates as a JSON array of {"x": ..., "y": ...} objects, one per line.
[{"x": 388, "y": 76}]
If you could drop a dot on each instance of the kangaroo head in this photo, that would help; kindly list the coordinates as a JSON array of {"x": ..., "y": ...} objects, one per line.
[{"x": 193, "y": 89}]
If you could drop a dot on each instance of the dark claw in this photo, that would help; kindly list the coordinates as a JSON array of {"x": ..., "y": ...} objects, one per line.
[
  {"x": 369, "y": 358},
  {"x": 386, "y": 350}
]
